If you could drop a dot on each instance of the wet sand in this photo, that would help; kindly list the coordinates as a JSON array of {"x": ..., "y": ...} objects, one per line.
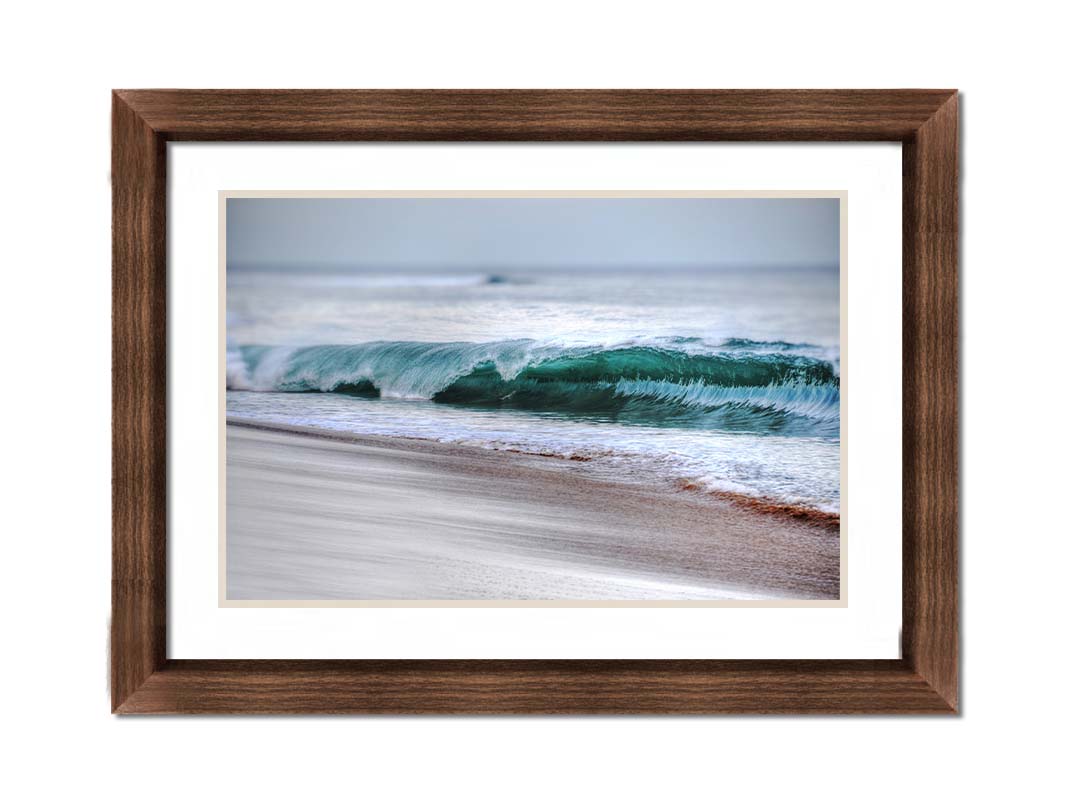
[{"x": 343, "y": 517}]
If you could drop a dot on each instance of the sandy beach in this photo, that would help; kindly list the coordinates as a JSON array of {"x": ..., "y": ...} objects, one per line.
[{"x": 314, "y": 516}]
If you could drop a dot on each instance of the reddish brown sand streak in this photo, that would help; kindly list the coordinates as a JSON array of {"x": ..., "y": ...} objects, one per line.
[{"x": 336, "y": 516}]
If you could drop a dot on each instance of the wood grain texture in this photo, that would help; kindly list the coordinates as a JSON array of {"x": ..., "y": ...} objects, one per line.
[
  {"x": 139, "y": 402},
  {"x": 535, "y": 687},
  {"x": 924, "y": 680},
  {"x": 535, "y": 115},
  {"x": 930, "y": 640}
]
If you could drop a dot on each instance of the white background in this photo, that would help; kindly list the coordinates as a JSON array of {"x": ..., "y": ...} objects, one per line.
[
  {"x": 869, "y": 627},
  {"x": 58, "y": 66}
]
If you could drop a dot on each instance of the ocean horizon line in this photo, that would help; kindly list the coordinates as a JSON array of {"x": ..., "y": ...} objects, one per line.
[{"x": 328, "y": 267}]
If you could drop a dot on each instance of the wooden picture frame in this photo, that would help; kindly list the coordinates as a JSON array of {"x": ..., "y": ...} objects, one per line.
[{"x": 923, "y": 680}]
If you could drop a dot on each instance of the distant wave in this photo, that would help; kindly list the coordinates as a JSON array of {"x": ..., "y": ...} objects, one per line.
[
  {"x": 365, "y": 280},
  {"x": 736, "y": 384}
]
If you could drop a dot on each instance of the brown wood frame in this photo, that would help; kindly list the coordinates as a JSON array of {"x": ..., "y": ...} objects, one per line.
[{"x": 924, "y": 679}]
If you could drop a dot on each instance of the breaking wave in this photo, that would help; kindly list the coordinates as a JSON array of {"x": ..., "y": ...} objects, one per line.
[{"x": 738, "y": 384}]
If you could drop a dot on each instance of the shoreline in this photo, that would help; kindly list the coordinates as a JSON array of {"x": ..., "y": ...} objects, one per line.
[
  {"x": 324, "y": 515},
  {"x": 806, "y": 514}
]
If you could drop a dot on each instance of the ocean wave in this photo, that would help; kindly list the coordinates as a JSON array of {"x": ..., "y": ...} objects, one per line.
[
  {"x": 736, "y": 384},
  {"x": 364, "y": 280}
]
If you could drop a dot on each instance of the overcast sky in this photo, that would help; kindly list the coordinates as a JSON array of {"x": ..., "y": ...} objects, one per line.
[{"x": 475, "y": 233}]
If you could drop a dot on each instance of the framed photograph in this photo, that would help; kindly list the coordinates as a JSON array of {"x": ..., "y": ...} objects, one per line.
[{"x": 535, "y": 402}]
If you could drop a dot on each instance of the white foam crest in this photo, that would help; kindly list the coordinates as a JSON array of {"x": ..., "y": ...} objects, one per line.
[
  {"x": 817, "y": 401},
  {"x": 271, "y": 368},
  {"x": 237, "y": 376}
]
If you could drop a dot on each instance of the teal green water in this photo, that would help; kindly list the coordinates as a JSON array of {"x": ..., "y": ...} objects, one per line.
[{"x": 735, "y": 386}]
